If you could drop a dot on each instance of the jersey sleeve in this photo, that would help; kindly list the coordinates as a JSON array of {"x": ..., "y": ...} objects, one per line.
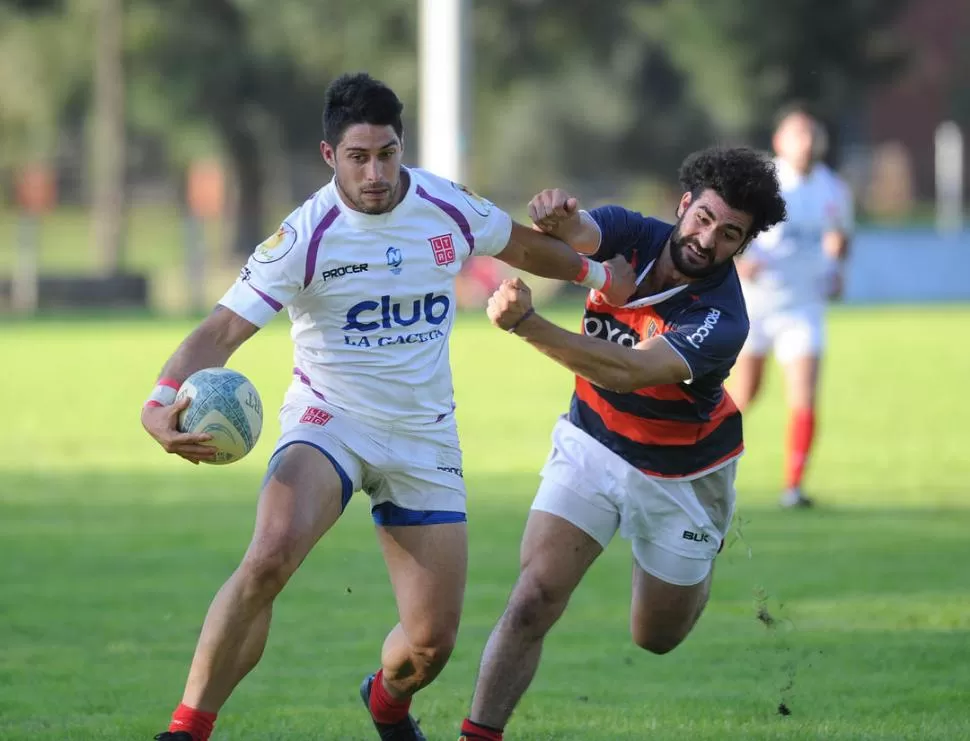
[
  {"x": 706, "y": 338},
  {"x": 621, "y": 230},
  {"x": 273, "y": 275},
  {"x": 488, "y": 226}
]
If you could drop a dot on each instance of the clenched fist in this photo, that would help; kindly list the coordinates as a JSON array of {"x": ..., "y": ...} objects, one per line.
[
  {"x": 554, "y": 212},
  {"x": 509, "y": 304}
]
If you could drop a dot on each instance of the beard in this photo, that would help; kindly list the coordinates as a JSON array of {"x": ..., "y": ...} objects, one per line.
[
  {"x": 686, "y": 253},
  {"x": 376, "y": 203}
]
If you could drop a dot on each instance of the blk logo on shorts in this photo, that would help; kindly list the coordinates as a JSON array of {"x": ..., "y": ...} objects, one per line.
[
  {"x": 696, "y": 537},
  {"x": 315, "y": 416},
  {"x": 444, "y": 249}
]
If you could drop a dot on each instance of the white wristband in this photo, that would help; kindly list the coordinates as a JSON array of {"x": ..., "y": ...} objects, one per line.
[
  {"x": 596, "y": 275},
  {"x": 162, "y": 395}
]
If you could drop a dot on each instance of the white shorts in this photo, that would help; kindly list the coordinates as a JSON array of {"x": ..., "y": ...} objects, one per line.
[
  {"x": 413, "y": 477},
  {"x": 790, "y": 333},
  {"x": 676, "y": 526}
]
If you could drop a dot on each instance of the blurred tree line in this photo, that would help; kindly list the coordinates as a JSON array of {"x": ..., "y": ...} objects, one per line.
[{"x": 602, "y": 97}]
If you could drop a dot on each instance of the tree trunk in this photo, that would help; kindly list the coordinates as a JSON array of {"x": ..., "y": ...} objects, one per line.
[
  {"x": 108, "y": 138},
  {"x": 243, "y": 147}
]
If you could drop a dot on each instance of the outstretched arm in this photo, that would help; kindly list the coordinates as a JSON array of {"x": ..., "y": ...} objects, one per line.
[
  {"x": 541, "y": 254},
  {"x": 605, "y": 364}
]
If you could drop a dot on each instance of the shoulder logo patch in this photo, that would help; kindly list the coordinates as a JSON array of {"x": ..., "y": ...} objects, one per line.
[
  {"x": 277, "y": 246},
  {"x": 481, "y": 206}
]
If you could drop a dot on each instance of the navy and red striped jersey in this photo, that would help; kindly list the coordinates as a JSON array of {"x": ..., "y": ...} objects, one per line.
[{"x": 675, "y": 430}]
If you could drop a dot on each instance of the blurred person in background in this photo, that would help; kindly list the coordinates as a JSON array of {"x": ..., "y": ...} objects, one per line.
[{"x": 788, "y": 275}]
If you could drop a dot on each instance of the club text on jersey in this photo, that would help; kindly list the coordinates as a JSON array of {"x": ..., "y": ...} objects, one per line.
[{"x": 366, "y": 317}]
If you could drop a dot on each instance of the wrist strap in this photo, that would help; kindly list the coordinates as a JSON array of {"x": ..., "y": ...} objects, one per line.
[
  {"x": 522, "y": 318},
  {"x": 593, "y": 275},
  {"x": 164, "y": 393},
  {"x": 609, "y": 279}
]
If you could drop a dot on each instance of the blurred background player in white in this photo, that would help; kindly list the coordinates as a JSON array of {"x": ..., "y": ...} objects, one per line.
[
  {"x": 366, "y": 267},
  {"x": 788, "y": 275}
]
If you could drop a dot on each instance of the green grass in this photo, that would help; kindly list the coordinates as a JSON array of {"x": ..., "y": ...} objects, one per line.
[{"x": 110, "y": 552}]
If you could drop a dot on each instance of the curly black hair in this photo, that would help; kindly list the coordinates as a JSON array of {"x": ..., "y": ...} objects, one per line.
[
  {"x": 744, "y": 178},
  {"x": 359, "y": 98}
]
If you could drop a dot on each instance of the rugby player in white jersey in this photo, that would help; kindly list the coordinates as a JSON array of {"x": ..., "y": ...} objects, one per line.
[
  {"x": 366, "y": 268},
  {"x": 788, "y": 275}
]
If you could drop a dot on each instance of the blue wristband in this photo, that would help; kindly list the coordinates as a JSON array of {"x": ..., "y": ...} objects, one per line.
[{"x": 522, "y": 318}]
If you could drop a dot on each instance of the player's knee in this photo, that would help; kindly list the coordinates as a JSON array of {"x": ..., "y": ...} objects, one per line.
[
  {"x": 265, "y": 571},
  {"x": 429, "y": 652},
  {"x": 656, "y": 643},
  {"x": 535, "y": 605},
  {"x": 431, "y": 655}
]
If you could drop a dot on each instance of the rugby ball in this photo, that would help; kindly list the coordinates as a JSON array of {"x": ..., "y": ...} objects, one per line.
[{"x": 225, "y": 405}]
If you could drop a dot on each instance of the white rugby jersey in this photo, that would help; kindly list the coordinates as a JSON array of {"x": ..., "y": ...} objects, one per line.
[
  {"x": 371, "y": 297},
  {"x": 793, "y": 264}
]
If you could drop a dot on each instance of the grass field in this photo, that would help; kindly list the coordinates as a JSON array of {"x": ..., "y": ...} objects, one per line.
[{"x": 110, "y": 552}]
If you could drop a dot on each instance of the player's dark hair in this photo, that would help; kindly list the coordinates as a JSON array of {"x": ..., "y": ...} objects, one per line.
[
  {"x": 745, "y": 179},
  {"x": 355, "y": 99}
]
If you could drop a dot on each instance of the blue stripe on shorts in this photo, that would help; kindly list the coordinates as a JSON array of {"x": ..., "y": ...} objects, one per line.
[{"x": 389, "y": 514}]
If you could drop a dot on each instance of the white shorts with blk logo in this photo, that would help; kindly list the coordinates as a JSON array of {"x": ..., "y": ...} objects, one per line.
[
  {"x": 413, "y": 477},
  {"x": 676, "y": 526}
]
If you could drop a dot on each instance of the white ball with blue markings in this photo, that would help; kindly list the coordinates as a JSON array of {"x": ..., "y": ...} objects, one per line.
[{"x": 225, "y": 405}]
